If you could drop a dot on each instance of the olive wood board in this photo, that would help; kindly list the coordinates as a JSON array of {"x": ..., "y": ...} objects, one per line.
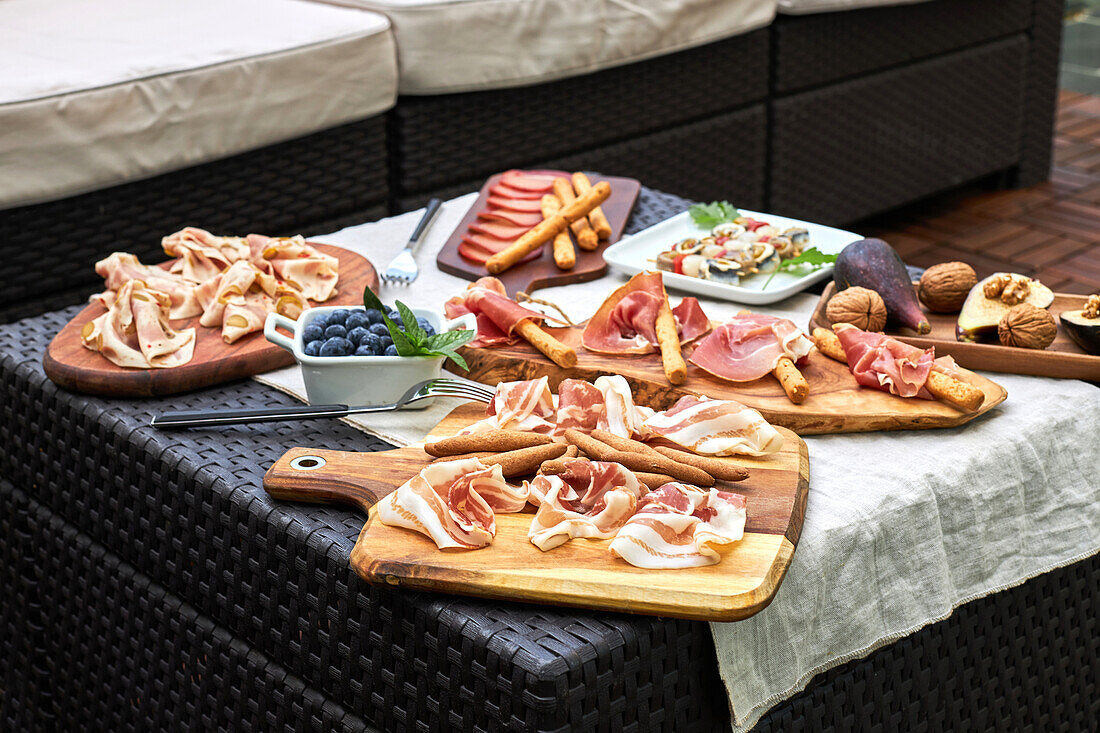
[
  {"x": 1063, "y": 359},
  {"x": 581, "y": 573},
  {"x": 72, "y": 366},
  {"x": 837, "y": 404},
  {"x": 541, "y": 272}
]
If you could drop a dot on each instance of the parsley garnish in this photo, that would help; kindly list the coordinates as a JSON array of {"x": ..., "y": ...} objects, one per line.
[
  {"x": 411, "y": 340},
  {"x": 711, "y": 215},
  {"x": 813, "y": 257}
]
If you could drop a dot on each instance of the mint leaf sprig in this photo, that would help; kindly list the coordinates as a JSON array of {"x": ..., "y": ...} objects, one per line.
[
  {"x": 813, "y": 257},
  {"x": 711, "y": 215},
  {"x": 411, "y": 340}
]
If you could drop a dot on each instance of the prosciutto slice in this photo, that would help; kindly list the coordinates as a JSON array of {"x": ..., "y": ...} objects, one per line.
[
  {"x": 881, "y": 362},
  {"x": 680, "y": 526},
  {"x": 453, "y": 503},
  {"x": 590, "y": 499},
  {"x": 120, "y": 267},
  {"x": 715, "y": 427},
  {"x": 202, "y": 255},
  {"x": 749, "y": 346},
  {"x": 295, "y": 261},
  {"x": 580, "y": 406},
  {"x": 497, "y": 314},
  {"x": 626, "y": 323},
  {"x": 620, "y": 415},
  {"x": 134, "y": 332}
]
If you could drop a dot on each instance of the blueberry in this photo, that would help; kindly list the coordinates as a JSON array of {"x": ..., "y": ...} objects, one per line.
[
  {"x": 372, "y": 342},
  {"x": 313, "y": 348},
  {"x": 337, "y": 346},
  {"x": 336, "y": 331},
  {"x": 340, "y": 315},
  {"x": 356, "y": 334},
  {"x": 391, "y": 350},
  {"x": 312, "y": 332},
  {"x": 379, "y": 329},
  {"x": 365, "y": 351},
  {"x": 373, "y": 315},
  {"x": 357, "y": 319},
  {"x": 426, "y": 325},
  {"x": 320, "y": 321},
  {"x": 386, "y": 341}
]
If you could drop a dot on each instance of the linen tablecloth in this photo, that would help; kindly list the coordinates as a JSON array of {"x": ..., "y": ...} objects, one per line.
[{"x": 900, "y": 527}]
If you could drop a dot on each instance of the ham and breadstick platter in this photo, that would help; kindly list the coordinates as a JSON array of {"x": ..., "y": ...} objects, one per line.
[
  {"x": 535, "y": 229},
  {"x": 668, "y": 351},
  {"x": 583, "y": 498},
  {"x": 197, "y": 319}
]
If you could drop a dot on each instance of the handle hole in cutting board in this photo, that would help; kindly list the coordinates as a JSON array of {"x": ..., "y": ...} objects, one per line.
[{"x": 307, "y": 463}]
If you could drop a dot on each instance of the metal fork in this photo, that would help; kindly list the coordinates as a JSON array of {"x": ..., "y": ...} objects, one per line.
[
  {"x": 442, "y": 387},
  {"x": 402, "y": 269}
]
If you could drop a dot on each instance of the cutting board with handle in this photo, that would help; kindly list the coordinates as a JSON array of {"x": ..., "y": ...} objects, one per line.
[
  {"x": 541, "y": 272},
  {"x": 72, "y": 366},
  {"x": 837, "y": 404},
  {"x": 581, "y": 573}
]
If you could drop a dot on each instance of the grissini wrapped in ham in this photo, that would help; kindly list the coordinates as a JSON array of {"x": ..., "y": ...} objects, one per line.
[
  {"x": 749, "y": 346},
  {"x": 626, "y": 323},
  {"x": 134, "y": 332},
  {"x": 497, "y": 314},
  {"x": 590, "y": 499}
]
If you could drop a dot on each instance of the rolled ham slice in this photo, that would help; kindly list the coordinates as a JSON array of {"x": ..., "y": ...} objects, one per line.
[
  {"x": 497, "y": 314},
  {"x": 626, "y": 323},
  {"x": 884, "y": 363},
  {"x": 307, "y": 269},
  {"x": 134, "y": 332},
  {"x": 715, "y": 428},
  {"x": 749, "y": 346},
  {"x": 453, "y": 503},
  {"x": 680, "y": 526},
  {"x": 590, "y": 499},
  {"x": 203, "y": 255}
]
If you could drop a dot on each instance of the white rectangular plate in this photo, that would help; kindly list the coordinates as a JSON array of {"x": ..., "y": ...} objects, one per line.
[{"x": 639, "y": 252}]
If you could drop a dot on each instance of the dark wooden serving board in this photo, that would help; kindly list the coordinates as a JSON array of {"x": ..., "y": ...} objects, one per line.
[
  {"x": 837, "y": 404},
  {"x": 542, "y": 272},
  {"x": 1063, "y": 358},
  {"x": 580, "y": 573},
  {"x": 72, "y": 366}
]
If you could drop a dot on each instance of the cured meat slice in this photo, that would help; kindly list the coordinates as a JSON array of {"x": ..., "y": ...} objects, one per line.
[
  {"x": 540, "y": 181},
  {"x": 626, "y": 323},
  {"x": 489, "y": 244},
  {"x": 590, "y": 499},
  {"x": 620, "y": 415},
  {"x": 680, "y": 526},
  {"x": 240, "y": 298},
  {"x": 294, "y": 260},
  {"x": 497, "y": 229},
  {"x": 202, "y": 255},
  {"x": 516, "y": 218},
  {"x": 508, "y": 192},
  {"x": 526, "y": 405},
  {"x": 240, "y": 278},
  {"x": 497, "y": 314},
  {"x": 715, "y": 427},
  {"x": 121, "y": 267},
  {"x": 134, "y": 332},
  {"x": 580, "y": 406},
  {"x": 749, "y": 346},
  {"x": 526, "y": 206},
  {"x": 885, "y": 363},
  {"x": 453, "y": 503}
]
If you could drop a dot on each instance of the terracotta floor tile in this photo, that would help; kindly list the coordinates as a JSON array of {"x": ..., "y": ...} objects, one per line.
[{"x": 1055, "y": 251}]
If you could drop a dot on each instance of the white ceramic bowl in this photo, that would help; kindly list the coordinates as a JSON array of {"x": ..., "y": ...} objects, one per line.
[{"x": 360, "y": 381}]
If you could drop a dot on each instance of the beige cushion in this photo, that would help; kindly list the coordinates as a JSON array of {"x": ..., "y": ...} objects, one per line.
[
  {"x": 94, "y": 94},
  {"x": 465, "y": 45},
  {"x": 803, "y": 7}
]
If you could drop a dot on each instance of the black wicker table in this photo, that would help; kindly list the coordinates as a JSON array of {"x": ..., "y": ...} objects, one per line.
[{"x": 148, "y": 582}]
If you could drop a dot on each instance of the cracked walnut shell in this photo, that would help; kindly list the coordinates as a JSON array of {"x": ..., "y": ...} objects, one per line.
[
  {"x": 861, "y": 307},
  {"x": 943, "y": 288},
  {"x": 1028, "y": 327}
]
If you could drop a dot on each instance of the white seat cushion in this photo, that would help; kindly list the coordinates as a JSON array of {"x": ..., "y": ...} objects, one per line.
[
  {"x": 804, "y": 7},
  {"x": 466, "y": 45},
  {"x": 94, "y": 94}
]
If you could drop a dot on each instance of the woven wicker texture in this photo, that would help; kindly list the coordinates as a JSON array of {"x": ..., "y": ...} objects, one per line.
[
  {"x": 836, "y": 157},
  {"x": 117, "y": 652},
  {"x": 1040, "y": 90},
  {"x": 281, "y": 189},
  {"x": 671, "y": 159},
  {"x": 186, "y": 509},
  {"x": 454, "y": 138},
  {"x": 815, "y": 49}
]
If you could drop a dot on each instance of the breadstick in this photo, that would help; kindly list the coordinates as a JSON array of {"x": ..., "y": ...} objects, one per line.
[
  {"x": 555, "y": 351},
  {"x": 600, "y": 451},
  {"x": 653, "y": 480},
  {"x": 717, "y": 468},
  {"x": 586, "y": 238},
  {"x": 524, "y": 461},
  {"x": 794, "y": 384},
  {"x": 565, "y": 257},
  {"x": 669, "y": 339},
  {"x": 557, "y": 465},
  {"x": 596, "y": 216},
  {"x": 492, "y": 441},
  {"x": 627, "y": 444},
  {"x": 943, "y": 387},
  {"x": 464, "y": 456},
  {"x": 545, "y": 230}
]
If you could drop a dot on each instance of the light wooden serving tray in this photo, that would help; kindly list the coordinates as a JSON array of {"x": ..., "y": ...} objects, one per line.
[
  {"x": 72, "y": 366},
  {"x": 581, "y": 573},
  {"x": 1063, "y": 359},
  {"x": 837, "y": 404}
]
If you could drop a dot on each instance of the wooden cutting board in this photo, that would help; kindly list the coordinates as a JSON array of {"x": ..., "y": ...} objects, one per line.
[
  {"x": 581, "y": 573},
  {"x": 1063, "y": 358},
  {"x": 68, "y": 364},
  {"x": 837, "y": 404},
  {"x": 542, "y": 272}
]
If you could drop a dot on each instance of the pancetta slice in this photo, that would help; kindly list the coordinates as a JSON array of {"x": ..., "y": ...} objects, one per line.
[
  {"x": 301, "y": 265},
  {"x": 120, "y": 267},
  {"x": 885, "y": 363},
  {"x": 620, "y": 415},
  {"x": 527, "y": 405},
  {"x": 497, "y": 314},
  {"x": 453, "y": 503},
  {"x": 134, "y": 332},
  {"x": 715, "y": 427},
  {"x": 590, "y": 499},
  {"x": 580, "y": 406},
  {"x": 749, "y": 346},
  {"x": 202, "y": 255},
  {"x": 626, "y": 323},
  {"x": 680, "y": 526}
]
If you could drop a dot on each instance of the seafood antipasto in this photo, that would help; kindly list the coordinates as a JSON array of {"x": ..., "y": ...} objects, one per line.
[{"x": 734, "y": 250}]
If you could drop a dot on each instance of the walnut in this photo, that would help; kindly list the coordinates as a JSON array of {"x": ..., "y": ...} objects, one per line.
[
  {"x": 1092, "y": 306},
  {"x": 860, "y": 307},
  {"x": 1011, "y": 288},
  {"x": 1028, "y": 327},
  {"x": 944, "y": 287}
]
